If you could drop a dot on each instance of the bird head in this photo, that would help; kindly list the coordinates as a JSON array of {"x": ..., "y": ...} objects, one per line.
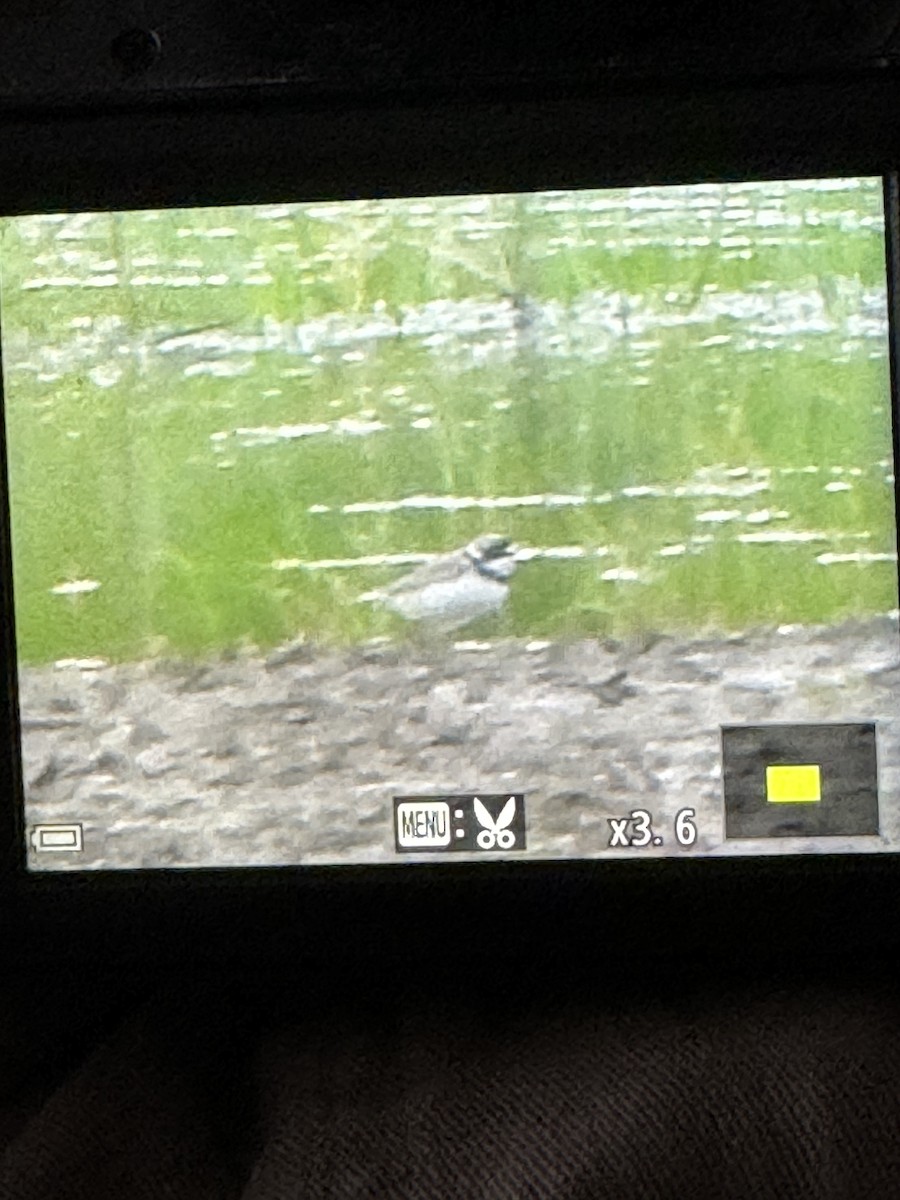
[{"x": 494, "y": 555}]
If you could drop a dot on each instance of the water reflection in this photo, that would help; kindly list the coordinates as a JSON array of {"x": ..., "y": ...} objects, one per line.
[
  {"x": 468, "y": 333},
  {"x": 537, "y": 391}
]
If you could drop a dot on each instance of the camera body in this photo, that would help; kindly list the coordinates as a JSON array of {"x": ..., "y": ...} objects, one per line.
[{"x": 357, "y": 111}]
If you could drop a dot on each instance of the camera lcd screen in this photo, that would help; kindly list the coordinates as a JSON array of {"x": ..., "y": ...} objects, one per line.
[{"x": 556, "y": 525}]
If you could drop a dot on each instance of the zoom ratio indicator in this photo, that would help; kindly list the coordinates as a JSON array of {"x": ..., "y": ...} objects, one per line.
[{"x": 638, "y": 829}]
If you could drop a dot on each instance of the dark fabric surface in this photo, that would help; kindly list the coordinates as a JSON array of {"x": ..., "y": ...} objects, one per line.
[{"x": 475, "y": 1084}]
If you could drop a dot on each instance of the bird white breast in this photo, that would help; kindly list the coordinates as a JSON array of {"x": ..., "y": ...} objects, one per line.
[{"x": 451, "y": 601}]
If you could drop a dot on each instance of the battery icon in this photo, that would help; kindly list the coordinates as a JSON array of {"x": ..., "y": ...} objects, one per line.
[{"x": 57, "y": 838}]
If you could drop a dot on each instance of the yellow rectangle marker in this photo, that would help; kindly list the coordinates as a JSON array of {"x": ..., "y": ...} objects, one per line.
[{"x": 793, "y": 785}]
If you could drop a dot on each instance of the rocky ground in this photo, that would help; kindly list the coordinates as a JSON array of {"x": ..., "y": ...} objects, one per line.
[{"x": 295, "y": 758}]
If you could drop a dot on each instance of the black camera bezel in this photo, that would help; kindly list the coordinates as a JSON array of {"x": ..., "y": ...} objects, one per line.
[{"x": 235, "y": 148}]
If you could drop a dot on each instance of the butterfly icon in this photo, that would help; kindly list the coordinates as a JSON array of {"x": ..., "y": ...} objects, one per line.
[{"x": 495, "y": 833}]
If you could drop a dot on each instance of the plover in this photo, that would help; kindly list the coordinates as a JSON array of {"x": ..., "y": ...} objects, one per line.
[{"x": 456, "y": 588}]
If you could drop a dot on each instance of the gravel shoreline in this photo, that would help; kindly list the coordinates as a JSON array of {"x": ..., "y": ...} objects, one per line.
[{"x": 295, "y": 757}]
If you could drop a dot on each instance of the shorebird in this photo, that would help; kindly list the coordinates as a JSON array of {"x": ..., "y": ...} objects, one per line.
[{"x": 453, "y": 589}]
